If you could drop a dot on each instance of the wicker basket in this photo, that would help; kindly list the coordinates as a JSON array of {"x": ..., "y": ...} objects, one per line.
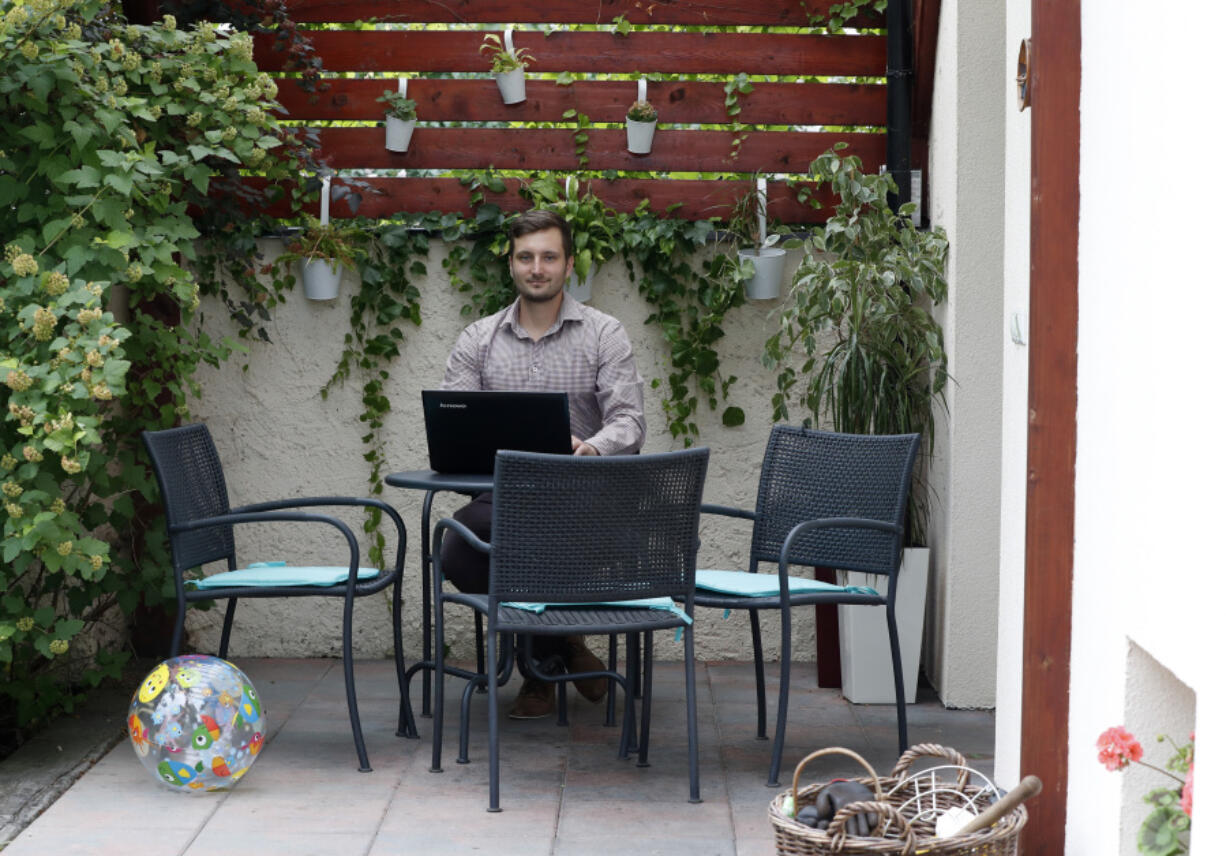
[{"x": 901, "y": 830}]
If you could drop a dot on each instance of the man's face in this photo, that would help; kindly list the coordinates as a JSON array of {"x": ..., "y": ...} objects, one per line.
[{"x": 539, "y": 265}]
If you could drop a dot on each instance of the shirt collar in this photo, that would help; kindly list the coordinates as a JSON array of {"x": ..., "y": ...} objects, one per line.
[{"x": 570, "y": 310}]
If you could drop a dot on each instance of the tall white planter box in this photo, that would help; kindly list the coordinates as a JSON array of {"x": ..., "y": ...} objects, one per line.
[{"x": 864, "y": 645}]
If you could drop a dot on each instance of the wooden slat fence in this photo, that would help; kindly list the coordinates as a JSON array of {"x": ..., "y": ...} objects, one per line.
[{"x": 695, "y": 135}]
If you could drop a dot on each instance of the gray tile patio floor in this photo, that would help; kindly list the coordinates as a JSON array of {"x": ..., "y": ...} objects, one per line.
[{"x": 563, "y": 790}]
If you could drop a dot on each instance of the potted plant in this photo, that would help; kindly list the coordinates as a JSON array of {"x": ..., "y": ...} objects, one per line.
[
  {"x": 399, "y": 120},
  {"x": 593, "y": 226},
  {"x": 322, "y": 251},
  {"x": 760, "y": 261},
  {"x": 640, "y": 127},
  {"x": 508, "y": 66},
  {"x": 859, "y": 346}
]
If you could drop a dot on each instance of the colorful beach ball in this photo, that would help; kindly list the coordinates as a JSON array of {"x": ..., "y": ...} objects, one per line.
[{"x": 197, "y": 723}]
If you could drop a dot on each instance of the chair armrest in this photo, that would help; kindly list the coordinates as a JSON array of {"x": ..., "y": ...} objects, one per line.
[
  {"x": 234, "y": 518},
  {"x": 315, "y": 501},
  {"x": 827, "y": 523},
  {"x": 728, "y": 511},
  {"x": 470, "y": 537}
]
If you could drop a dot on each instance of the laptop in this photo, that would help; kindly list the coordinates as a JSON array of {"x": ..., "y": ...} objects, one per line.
[{"x": 464, "y": 429}]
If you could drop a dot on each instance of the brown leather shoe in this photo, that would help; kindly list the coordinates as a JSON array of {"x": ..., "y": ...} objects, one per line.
[
  {"x": 535, "y": 700},
  {"x": 580, "y": 659}
]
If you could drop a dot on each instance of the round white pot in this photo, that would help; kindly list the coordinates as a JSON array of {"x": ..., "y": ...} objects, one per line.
[
  {"x": 581, "y": 291},
  {"x": 639, "y": 135},
  {"x": 321, "y": 278},
  {"x": 767, "y": 272},
  {"x": 397, "y": 133},
  {"x": 511, "y": 86}
]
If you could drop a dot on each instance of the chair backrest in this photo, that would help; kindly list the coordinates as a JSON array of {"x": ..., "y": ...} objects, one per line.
[
  {"x": 808, "y": 475},
  {"x": 575, "y": 529},
  {"x": 193, "y": 487}
]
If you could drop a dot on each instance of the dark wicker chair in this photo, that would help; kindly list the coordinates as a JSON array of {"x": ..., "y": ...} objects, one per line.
[
  {"x": 827, "y": 500},
  {"x": 200, "y": 523},
  {"x": 584, "y": 531}
]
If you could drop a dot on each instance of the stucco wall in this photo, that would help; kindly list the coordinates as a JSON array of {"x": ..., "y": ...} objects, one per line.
[
  {"x": 966, "y": 185},
  {"x": 278, "y": 438}
]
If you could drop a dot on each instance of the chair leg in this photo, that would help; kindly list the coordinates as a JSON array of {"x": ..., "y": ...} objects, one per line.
[
  {"x": 406, "y": 726},
  {"x": 176, "y": 638},
  {"x": 900, "y": 693},
  {"x": 691, "y": 713},
  {"x": 759, "y": 673},
  {"x": 350, "y": 692},
  {"x": 785, "y": 677},
  {"x": 465, "y": 717},
  {"x": 224, "y": 647},
  {"x": 479, "y": 636},
  {"x": 610, "y": 701},
  {"x": 436, "y": 748},
  {"x": 645, "y": 730},
  {"x": 491, "y": 657}
]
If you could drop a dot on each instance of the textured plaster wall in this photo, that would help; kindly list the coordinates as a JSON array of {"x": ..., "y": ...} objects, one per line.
[
  {"x": 277, "y": 438},
  {"x": 966, "y": 184}
]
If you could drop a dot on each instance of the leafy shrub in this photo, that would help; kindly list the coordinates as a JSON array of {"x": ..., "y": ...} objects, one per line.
[{"x": 110, "y": 134}]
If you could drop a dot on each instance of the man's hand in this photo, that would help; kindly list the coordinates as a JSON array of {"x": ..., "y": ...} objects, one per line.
[{"x": 581, "y": 448}]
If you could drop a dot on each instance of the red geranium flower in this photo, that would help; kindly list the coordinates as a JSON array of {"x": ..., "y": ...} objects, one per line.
[
  {"x": 1185, "y": 799},
  {"x": 1117, "y": 748}
]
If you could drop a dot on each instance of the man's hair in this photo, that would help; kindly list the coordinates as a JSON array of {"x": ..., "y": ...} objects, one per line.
[{"x": 538, "y": 220}]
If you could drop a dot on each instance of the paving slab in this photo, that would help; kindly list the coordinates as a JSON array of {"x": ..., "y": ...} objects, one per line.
[{"x": 78, "y": 787}]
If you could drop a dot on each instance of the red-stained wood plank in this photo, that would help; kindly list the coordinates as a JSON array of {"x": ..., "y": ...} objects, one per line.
[
  {"x": 654, "y": 52},
  {"x": 1051, "y": 446},
  {"x": 553, "y": 149},
  {"x": 693, "y": 199},
  {"x": 779, "y": 13},
  {"x": 690, "y": 102}
]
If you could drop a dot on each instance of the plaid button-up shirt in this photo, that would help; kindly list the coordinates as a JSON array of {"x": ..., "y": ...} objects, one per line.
[{"x": 585, "y": 354}]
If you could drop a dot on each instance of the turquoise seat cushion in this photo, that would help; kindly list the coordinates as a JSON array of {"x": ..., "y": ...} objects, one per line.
[
  {"x": 281, "y": 574},
  {"x": 642, "y": 603},
  {"x": 745, "y": 584}
]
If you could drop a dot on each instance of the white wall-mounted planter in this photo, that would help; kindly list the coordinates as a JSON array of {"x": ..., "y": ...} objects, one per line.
[
  {"x": 511, "y": 86},
  {"x": 767, "y": 279},
  {"x": 864, "y": 647},
  {"x": 397, "y": 133},
  {"x": 581, "y": 291},
  {"x": 639, "y": 136},
  {"x": 321, "y": 278}
]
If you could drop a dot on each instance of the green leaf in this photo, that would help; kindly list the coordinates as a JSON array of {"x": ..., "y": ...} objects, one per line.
[{"x": 733, "y": 417}]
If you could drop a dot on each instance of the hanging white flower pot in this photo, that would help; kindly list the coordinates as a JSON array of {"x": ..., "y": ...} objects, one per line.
[
  {"x": 767, "y": 278},
  {"x": 639, "y": 136},
  {"x": 321, "y": 278},
  {"x": 397, "y": 133},
  {"x": 511, "y": 86},
  {"x": 581, "y": 291}
]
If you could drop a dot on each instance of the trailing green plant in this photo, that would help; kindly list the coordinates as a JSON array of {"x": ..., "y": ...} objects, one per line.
[
  {"x": 579, "y": 135},
  {"x": 398, "y": 106},
  {"x": 501, "y": 59},
  {"x": 840, "y": 13},
  {"x": 857, "y": 342},
  {"x": 594, "y": 226},
  {"x": 110, "y": 134},
  {"x": 733, "y": 90},
  {"x": 341, "y": 241},
  {"x": 641, "y": 111}
]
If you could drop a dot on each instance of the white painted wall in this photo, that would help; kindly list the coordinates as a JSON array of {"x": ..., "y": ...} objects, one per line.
[
  {"x": 967, "y": 191},
  {"x": 1147, "y": 563},
  {"x": 277, "y": 438},
  {"x": 1014, "y": 408}
]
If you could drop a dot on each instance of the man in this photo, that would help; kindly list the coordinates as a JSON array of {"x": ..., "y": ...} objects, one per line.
[{"x": 547, "y": 341}]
